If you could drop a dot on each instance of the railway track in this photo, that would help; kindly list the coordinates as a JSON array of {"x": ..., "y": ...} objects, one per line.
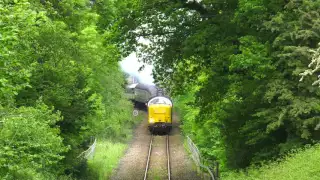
[{"x": 155, "y": 159}]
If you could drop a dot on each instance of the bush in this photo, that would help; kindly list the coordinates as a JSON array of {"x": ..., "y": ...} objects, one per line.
[
  {"x": 31, "y": 147},
  {"x": 108, "y": 152},
  {"x": 303, "y": 164}
]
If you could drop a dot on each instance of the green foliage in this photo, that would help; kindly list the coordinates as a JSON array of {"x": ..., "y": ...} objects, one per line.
[
  {"x": 301, "y": 164},
  {"x": 99, "y": 168},
  {"x": 59, "y": 52},
  {"x": 16, "y": 65},
  {"x": 31, "y": 144},
  {"x": 235, "y": 70},
  {"x": 107, "y": 155},
  {"x": 253, "y": 59}
]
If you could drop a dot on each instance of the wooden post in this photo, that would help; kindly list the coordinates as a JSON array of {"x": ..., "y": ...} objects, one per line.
[{"x": 217, "y": 170}]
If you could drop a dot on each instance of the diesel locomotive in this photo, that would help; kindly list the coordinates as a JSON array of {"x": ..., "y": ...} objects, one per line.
[
  {"x": 159, "y": 114},
  {"x": 152, "y": 99}
]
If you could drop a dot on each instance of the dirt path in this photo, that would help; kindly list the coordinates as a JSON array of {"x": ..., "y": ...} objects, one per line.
[{"x": 132, "y": 165}]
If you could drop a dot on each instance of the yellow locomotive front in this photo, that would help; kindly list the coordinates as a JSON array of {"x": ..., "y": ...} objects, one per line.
[{"x": 160, "y": 114}]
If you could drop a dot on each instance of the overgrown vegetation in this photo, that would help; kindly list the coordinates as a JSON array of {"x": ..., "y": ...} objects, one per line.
[
  {"x": 106, "y": 158},
  {"x": 234, "y": 68},
  {"x": 60, "y": 85},
  {"x": 302, "y": 164},
  {"x": 107, "y": 155}
]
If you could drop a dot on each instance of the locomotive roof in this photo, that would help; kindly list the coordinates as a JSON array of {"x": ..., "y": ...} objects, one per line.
[{"x": 159, "y": 100}]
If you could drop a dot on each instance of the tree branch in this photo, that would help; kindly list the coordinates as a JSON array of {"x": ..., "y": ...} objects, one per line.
[
  {"x": 194, "y": 5},
  {"x": 144, "y": 34}
]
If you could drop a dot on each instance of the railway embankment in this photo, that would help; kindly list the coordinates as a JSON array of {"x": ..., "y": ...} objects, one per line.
[{"x": 133, "y": 164}]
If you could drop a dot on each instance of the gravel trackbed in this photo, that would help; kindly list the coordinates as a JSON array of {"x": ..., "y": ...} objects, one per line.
[{"x": 132, "y": 165}]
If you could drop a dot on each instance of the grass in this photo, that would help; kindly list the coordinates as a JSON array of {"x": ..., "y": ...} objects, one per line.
[
  {"x": 302, "y": 165},
  {"x": 155, "y": 174},
  {"x": 106, "y": 158},
  {"x": 108, "y": 154}
]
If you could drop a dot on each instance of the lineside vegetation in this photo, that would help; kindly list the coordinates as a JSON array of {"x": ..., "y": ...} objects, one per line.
[
  {"x": 235, "y": 69},
  {"x": 60, "y": 85},
  {"x": 300, "y": 164}
]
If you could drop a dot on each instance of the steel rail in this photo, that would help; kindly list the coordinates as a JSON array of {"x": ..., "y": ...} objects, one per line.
[
  {"x": 168, "y": 157},
  {"x": 149, "y": 157},
  {"x": 148, "y": 160}
]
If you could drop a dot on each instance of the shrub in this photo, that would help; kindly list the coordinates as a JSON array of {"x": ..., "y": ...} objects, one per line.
[
  {"x": 31, "y": 147},
  {"x": 302, "y": 164}
]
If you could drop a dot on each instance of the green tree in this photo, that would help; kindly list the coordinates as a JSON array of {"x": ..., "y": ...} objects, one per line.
[
  {"x": 61, "y": 52},
  {"x": 241, "y": 61},
  {"x": 26, "y": 153}
]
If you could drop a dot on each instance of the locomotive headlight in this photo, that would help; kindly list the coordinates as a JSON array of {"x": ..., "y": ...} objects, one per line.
[{"x": 151, "y": 120}]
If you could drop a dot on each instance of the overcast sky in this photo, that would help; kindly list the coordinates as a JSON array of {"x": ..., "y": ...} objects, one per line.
[{"x": 131, "y": 65}]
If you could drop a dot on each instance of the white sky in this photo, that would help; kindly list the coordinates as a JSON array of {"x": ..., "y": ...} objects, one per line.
[{"x": 131, "y": 65}]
